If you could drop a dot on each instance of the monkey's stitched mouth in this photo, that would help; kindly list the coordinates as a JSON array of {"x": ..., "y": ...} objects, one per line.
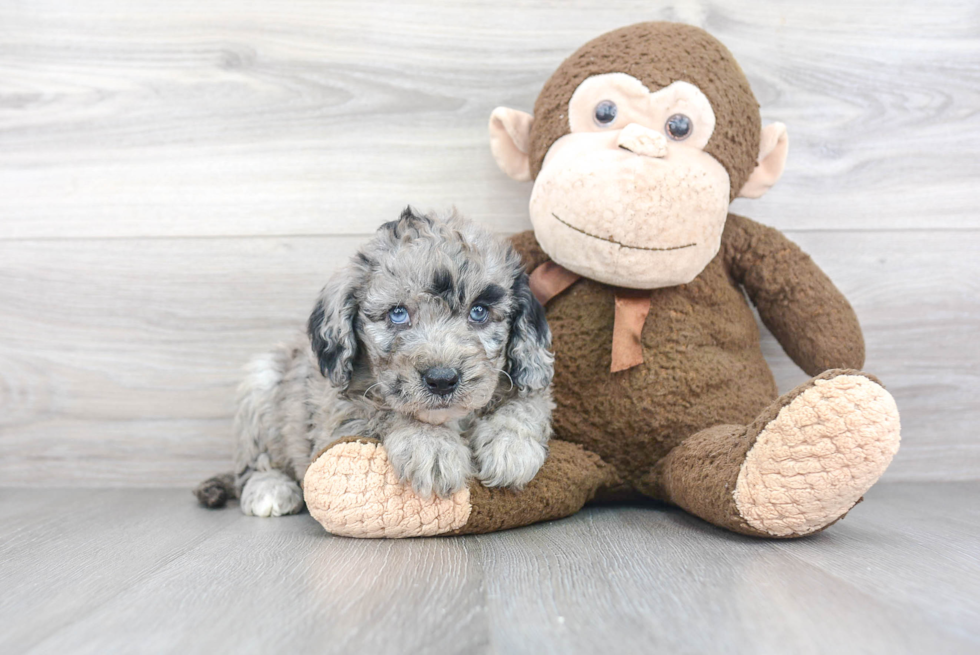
[{"x": 621, "y": 245}]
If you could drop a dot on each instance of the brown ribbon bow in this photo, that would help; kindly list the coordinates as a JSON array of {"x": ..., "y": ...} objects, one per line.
[{"x": 632, "y": 307}]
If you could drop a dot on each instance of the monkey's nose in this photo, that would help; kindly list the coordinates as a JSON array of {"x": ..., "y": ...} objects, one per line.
[
  {"x": 440, "y": 380},
  {"x": 642, "y": 141}
]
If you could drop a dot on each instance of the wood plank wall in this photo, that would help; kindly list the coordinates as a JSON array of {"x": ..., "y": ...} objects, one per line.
[{"x": 178, "y": 179}]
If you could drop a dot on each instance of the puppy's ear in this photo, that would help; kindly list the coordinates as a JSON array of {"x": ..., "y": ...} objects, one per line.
[
  {"x": 332, "y": 329},
  {"x": 529, "y": 359}
]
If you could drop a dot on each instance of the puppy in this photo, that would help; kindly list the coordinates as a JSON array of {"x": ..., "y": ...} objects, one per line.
[{"x": 429, "y": 340}]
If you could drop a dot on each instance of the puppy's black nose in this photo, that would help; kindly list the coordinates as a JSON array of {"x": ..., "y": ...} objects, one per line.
[{"x": 440, "y": 380}]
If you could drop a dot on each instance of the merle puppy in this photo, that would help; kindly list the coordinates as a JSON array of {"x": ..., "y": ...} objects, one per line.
[{"x": 430, "y": 340}]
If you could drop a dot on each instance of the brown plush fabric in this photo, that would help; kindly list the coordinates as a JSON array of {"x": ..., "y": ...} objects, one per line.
[
  {"x": 569, "y": 478},
  {"x": 529, "y": 249},
  {"x": 659, "y": 54},
  {"x": 799, "y": 304},
  {"x": 699, "y": 475},
  {"x": 703, "y": 365}
]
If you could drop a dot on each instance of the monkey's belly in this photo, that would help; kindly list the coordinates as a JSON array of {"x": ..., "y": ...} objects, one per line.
[{"x": 703, "y": 366}]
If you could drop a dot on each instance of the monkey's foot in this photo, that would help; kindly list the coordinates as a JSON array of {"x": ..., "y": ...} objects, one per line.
[
  {"x": 352, "y": 490},
  {"x": 818, "y": 455}
]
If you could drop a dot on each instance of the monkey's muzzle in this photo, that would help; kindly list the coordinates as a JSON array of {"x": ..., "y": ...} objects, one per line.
[{"x": 642, "y": 141}]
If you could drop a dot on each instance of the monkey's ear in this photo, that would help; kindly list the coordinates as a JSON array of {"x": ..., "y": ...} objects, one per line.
[
  {"x": 772, "y": 161},
  {"x": 510, "y": 140}
]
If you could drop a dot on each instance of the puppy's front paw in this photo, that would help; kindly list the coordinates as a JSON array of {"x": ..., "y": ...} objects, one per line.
[
  {"x": 430, "y": 458},
  {"x": 508, "y": 459}
]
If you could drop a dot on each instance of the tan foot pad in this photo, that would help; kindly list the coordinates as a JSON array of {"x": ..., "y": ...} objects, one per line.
[
  {"x": 816, "y": 459},
  {"x": 352, "y": 490}
]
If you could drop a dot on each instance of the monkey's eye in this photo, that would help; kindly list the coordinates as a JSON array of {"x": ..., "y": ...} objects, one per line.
[
  {"x": 479, "y": 313},
  {"x": 605, "y": 113},
  {"x": 398, "y": 315},
  {"x": 679, "y": 127}
]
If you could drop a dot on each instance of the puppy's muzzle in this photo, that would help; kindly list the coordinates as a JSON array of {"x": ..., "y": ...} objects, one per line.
[{"x": 440, "y": 380}]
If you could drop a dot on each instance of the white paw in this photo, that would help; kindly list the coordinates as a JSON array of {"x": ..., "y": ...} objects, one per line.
[
  {"x": 509, "y": 460},
  {"x": 271, "y": 493}
]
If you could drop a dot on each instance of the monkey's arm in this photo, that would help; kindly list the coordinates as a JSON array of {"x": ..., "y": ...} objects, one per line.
[
  {"x": 799, "y": 304},
  {"x": 527, "y": 247}
]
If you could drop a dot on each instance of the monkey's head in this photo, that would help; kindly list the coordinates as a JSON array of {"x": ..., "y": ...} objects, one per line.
[{"x": 638, "y": 143}]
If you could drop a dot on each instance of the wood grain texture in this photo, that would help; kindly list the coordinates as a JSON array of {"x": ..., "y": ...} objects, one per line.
[
  {"x": 176, "y": 182},
  {"x": 233, "y": 117},
  {"x": 149, "y": 571}
]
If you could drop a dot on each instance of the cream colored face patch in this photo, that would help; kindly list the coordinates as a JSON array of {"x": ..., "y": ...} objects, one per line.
[
  {"x": 635, "y": 104},
  {"x": 819, "y": 455},
  {"x": 630, "y": 198}
]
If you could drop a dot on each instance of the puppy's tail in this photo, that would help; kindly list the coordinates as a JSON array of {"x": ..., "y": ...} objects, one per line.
[{"x": 215, "y": 492}]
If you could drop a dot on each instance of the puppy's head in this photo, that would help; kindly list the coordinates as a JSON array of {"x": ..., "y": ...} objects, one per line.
[{"x": 430, "y": 317}]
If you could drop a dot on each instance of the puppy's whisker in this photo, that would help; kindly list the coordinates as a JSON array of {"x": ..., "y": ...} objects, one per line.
[
  {"x": 500, "y": 370},
  {"x": 368, "y": 390}
]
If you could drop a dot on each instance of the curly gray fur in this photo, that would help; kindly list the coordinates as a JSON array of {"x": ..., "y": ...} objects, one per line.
[{"x": 359, "y": 374}]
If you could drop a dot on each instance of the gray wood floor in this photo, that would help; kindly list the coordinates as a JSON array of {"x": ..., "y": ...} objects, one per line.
[{"x": 112, "y": 571}]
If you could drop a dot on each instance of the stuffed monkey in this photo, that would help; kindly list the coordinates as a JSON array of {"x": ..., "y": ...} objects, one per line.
[{"x": 638, "y": 143}]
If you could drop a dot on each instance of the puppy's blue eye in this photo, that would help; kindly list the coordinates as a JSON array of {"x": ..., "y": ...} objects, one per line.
[
  {"x": 479, "y": 313},
  {"x": 398, "y": 315}
]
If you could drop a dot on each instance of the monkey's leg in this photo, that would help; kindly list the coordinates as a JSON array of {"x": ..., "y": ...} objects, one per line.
[
  {"x": 352, "y": 490},
  {"x": 803, "y": 464}
]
